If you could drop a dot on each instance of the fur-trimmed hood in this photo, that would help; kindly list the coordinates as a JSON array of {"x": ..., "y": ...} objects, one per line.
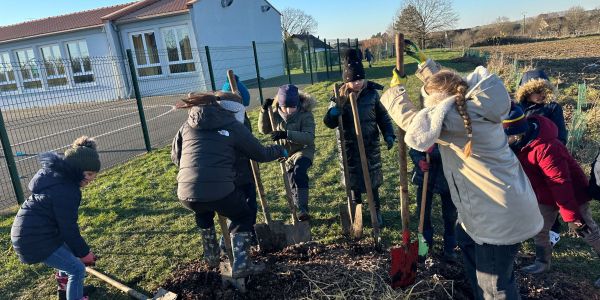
[
  {"x": 307, "y": 102},
  {"x": 535, "y": 81}
]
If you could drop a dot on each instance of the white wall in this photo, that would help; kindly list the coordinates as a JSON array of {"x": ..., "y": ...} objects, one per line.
[
  {"x": 229, "y": 33},
  {"x": 167, "y": 84},
  {"x": 107, "y": 85}
]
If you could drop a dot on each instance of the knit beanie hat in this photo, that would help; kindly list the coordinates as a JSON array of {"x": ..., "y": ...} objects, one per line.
[
  {"x": 288, "y": 96},
  {"x": 515, "y": 123},
  {"x": 353, "y": 68},
  {"x": 83, "y": 155},
  {"x": 241, "y": 88}
]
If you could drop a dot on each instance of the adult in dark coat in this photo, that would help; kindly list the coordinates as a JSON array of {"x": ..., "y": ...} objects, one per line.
[
  {"x": 374, "y": 120},
  {"x": 206, "y": 149}
]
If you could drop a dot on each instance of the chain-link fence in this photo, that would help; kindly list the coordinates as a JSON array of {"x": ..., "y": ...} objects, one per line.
[{"x": 127, "y": 103}]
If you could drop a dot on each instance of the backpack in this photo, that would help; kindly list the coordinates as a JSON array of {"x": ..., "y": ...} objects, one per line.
[{"x": 594, "y": 189}]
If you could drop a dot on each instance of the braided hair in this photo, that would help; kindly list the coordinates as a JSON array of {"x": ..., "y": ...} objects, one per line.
[{"x": 450, "y": 83}]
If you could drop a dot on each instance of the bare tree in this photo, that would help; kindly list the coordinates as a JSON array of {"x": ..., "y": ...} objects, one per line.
[
  {"x": 503, "y": 26},
  {"x": 576, "y": 17},
  {"x": 296, "y": 21},
  {"x": 419, "y": 18}
]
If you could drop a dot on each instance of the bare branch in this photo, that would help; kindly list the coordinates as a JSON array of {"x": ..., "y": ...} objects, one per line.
[{"x": 296, "y": 21}]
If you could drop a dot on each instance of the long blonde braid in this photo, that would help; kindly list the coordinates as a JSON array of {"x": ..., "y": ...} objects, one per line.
[{"x": 450, "y": 83}]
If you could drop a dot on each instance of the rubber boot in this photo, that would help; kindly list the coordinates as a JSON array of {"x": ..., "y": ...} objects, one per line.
[
  {"x": 210, "y": 246},
  {"x": 61, "y": 281},
  {"x": 242, "y": 266},
  {"x": 542, "y": 261},
  {"x": 302, "y": 196}
]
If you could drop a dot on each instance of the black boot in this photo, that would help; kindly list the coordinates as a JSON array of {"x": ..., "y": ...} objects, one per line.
[
  {"x": 210, "y": 247},
  {"x": 542, "y": 261},
  {"x": 242, "y": 266},
  {"x": 302, "y": 196}
]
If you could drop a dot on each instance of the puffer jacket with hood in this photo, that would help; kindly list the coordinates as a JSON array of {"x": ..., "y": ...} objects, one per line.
[
  {"x": 495, "y": 201},
  {"x": 373, "y": 118},
  {"x": 556, "y": 177},
  {"x": 206, "y": 148},
  {"x": 48, "y": 219},
  {"x": 536, "y": 81},
  {"x": 300, "y": 128}
]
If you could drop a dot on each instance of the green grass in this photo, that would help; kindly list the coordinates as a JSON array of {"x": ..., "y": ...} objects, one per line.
[{"x": 132, "y": 219}]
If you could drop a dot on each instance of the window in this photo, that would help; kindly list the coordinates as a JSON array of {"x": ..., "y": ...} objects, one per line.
[
  {"x": 146, "y": 54},
  {"x": 54, "y": 66},
  {"x": 179, "y": 50},
  {"x": 29, "y": 69},
  {"x": 81, "y": 64},
  {"x": 7, "y": 75}
]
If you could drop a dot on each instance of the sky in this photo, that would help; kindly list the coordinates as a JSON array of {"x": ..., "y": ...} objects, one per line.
[{"x": 336, "y": 18}]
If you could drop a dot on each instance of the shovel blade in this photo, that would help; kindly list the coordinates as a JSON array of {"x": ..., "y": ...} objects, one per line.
[
  {"x": 163, "y": 294},
  {"x": 298, "y": 233},
  {"x": 345, "y": 220},
  {"x": 404, "y": 265},
  {"x": 272, "y": 237}
]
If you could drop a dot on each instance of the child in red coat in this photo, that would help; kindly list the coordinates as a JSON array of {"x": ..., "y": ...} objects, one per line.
[{"x": 558, "y": 181}]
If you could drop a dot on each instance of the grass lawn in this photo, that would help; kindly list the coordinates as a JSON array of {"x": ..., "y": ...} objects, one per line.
[{"x": 131, "y": 217}]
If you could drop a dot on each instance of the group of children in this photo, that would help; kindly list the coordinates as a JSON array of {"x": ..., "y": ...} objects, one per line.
[{"x": 500, "y": 168}]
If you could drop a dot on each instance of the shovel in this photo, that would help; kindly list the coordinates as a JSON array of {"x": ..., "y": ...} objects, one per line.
[
  {"x": 161, "y": 294},
  {"x": 365, "y": 170},
  {"x": 404, "y": 258},
  {"x": 350, "y": 213},
  {"x": 272, "y": 235},
  {"x": 423, "y": 247},
  {"x": 299, "y": 232}
]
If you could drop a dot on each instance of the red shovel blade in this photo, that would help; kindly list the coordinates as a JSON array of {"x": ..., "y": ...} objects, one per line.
[{"x": 404, "y": 263}]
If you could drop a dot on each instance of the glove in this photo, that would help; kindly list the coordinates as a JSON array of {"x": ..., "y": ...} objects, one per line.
[
  {"x": 397, "y": 79},
  {"x": 278, "y": 135},
  {"x": 89, "y": 259},
  {"x": 268, "y": 102},
  {"x": 423, "y": 165},
  {"x": 580, "y": 227},
  {"x": 411, "y": 49},
  {"x": 389, "y": 141},
  {"x": 334, "y": 112}
]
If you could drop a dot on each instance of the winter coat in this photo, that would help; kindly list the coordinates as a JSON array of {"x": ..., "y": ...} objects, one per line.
[
  {"x": 368, "y": 55},
  {"x": 373, "y": 117},
  {"x": 48, "y": 219},
  {"x": 495, "y": 202},
  {"x": 300, "y": 128},
  {"x": 594, "y": 187},
  {"x": 206, "y": 148},
  {"x": 437, "y": 182},
  {"x": 242, "y": 166},
  {"x": 535, "y": 81},
  {"x": 555, "y": 176}
]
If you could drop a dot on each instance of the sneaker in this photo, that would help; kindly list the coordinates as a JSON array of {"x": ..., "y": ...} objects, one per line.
[{"x": 554, "y": 238}]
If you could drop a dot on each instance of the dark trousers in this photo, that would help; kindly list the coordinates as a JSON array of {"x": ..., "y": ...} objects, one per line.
[
  {"x": 298, "y": 175},
  {"x": 489, "y": 268},
  {"x": 449, "y": 215},
  {"x": 233, "y": 206},
  {"x": 356, "y": 197},
  {"x": 249, "y": 192}
]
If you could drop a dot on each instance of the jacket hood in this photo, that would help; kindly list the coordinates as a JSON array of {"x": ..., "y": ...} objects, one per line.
[
  {"x": 55, "y": 170},
  {"x": 535, "y": 81},
  {"x": 547, "y": 130},
  {"x": 209, "y": 117},
  {"x": 307, "y": 102}
]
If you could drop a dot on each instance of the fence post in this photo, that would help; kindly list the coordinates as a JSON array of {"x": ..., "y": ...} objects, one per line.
[
  {"x": 357, "y": 48},
  {"x": 10, "y": 162},
  {"x": 257, "y": 72},
  {"x": 210, "y": 69},
  {"x": 309, "y": 61},
  {"x": 287, "y": 61},
  {"x": 339, "y": 56},
  {"x": 138, "y": 100},
  {"x": 326, "y": 58}
]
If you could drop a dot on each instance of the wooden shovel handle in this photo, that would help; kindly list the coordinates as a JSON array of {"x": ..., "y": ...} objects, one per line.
[
  {"x": 232, "y": 81},
  {"x": 340, "y": 129},
  {"x": 424, "y": 195},
  {"x": 399, "y": 44},
  {"x": 129, "y": 291},
  {"x": 365, "y": 166}
]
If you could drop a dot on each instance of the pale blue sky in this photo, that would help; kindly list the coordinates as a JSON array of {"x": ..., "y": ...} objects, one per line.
[{"x": 337, "y": 18}]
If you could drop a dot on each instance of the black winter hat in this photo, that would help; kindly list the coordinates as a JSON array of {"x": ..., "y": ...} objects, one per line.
[
  {"x": 83, "y": 155},
  {"x": 353, "y": 68}
]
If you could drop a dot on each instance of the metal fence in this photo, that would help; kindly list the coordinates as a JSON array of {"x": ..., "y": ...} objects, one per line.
[{"x": 127, "y": 103}]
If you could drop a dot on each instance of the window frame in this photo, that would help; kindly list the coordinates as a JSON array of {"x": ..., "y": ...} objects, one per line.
[
  {"x": 62, "y": 60},
  {"x": 28, "y": 67},
  {"x": 180, "y": 61},
  {"x": 159, "y": 64},
  {"x": 6, "y": 67},
  {"x": 81, "y": 60}
]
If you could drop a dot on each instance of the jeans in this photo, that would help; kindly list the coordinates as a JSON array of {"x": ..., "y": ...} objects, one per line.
[
  {"x": 65, "y": 262},
  {"x": 233, "y": 206},
  {"x": 449, "y": 215},
  {"x": 298, "y": 175},
  {"x": 489, "y": 268}
]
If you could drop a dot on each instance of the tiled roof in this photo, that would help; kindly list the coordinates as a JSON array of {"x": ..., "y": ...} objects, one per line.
[
  {"x": 78, "y": 20},
  {"x": 156, "y": 8}
]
